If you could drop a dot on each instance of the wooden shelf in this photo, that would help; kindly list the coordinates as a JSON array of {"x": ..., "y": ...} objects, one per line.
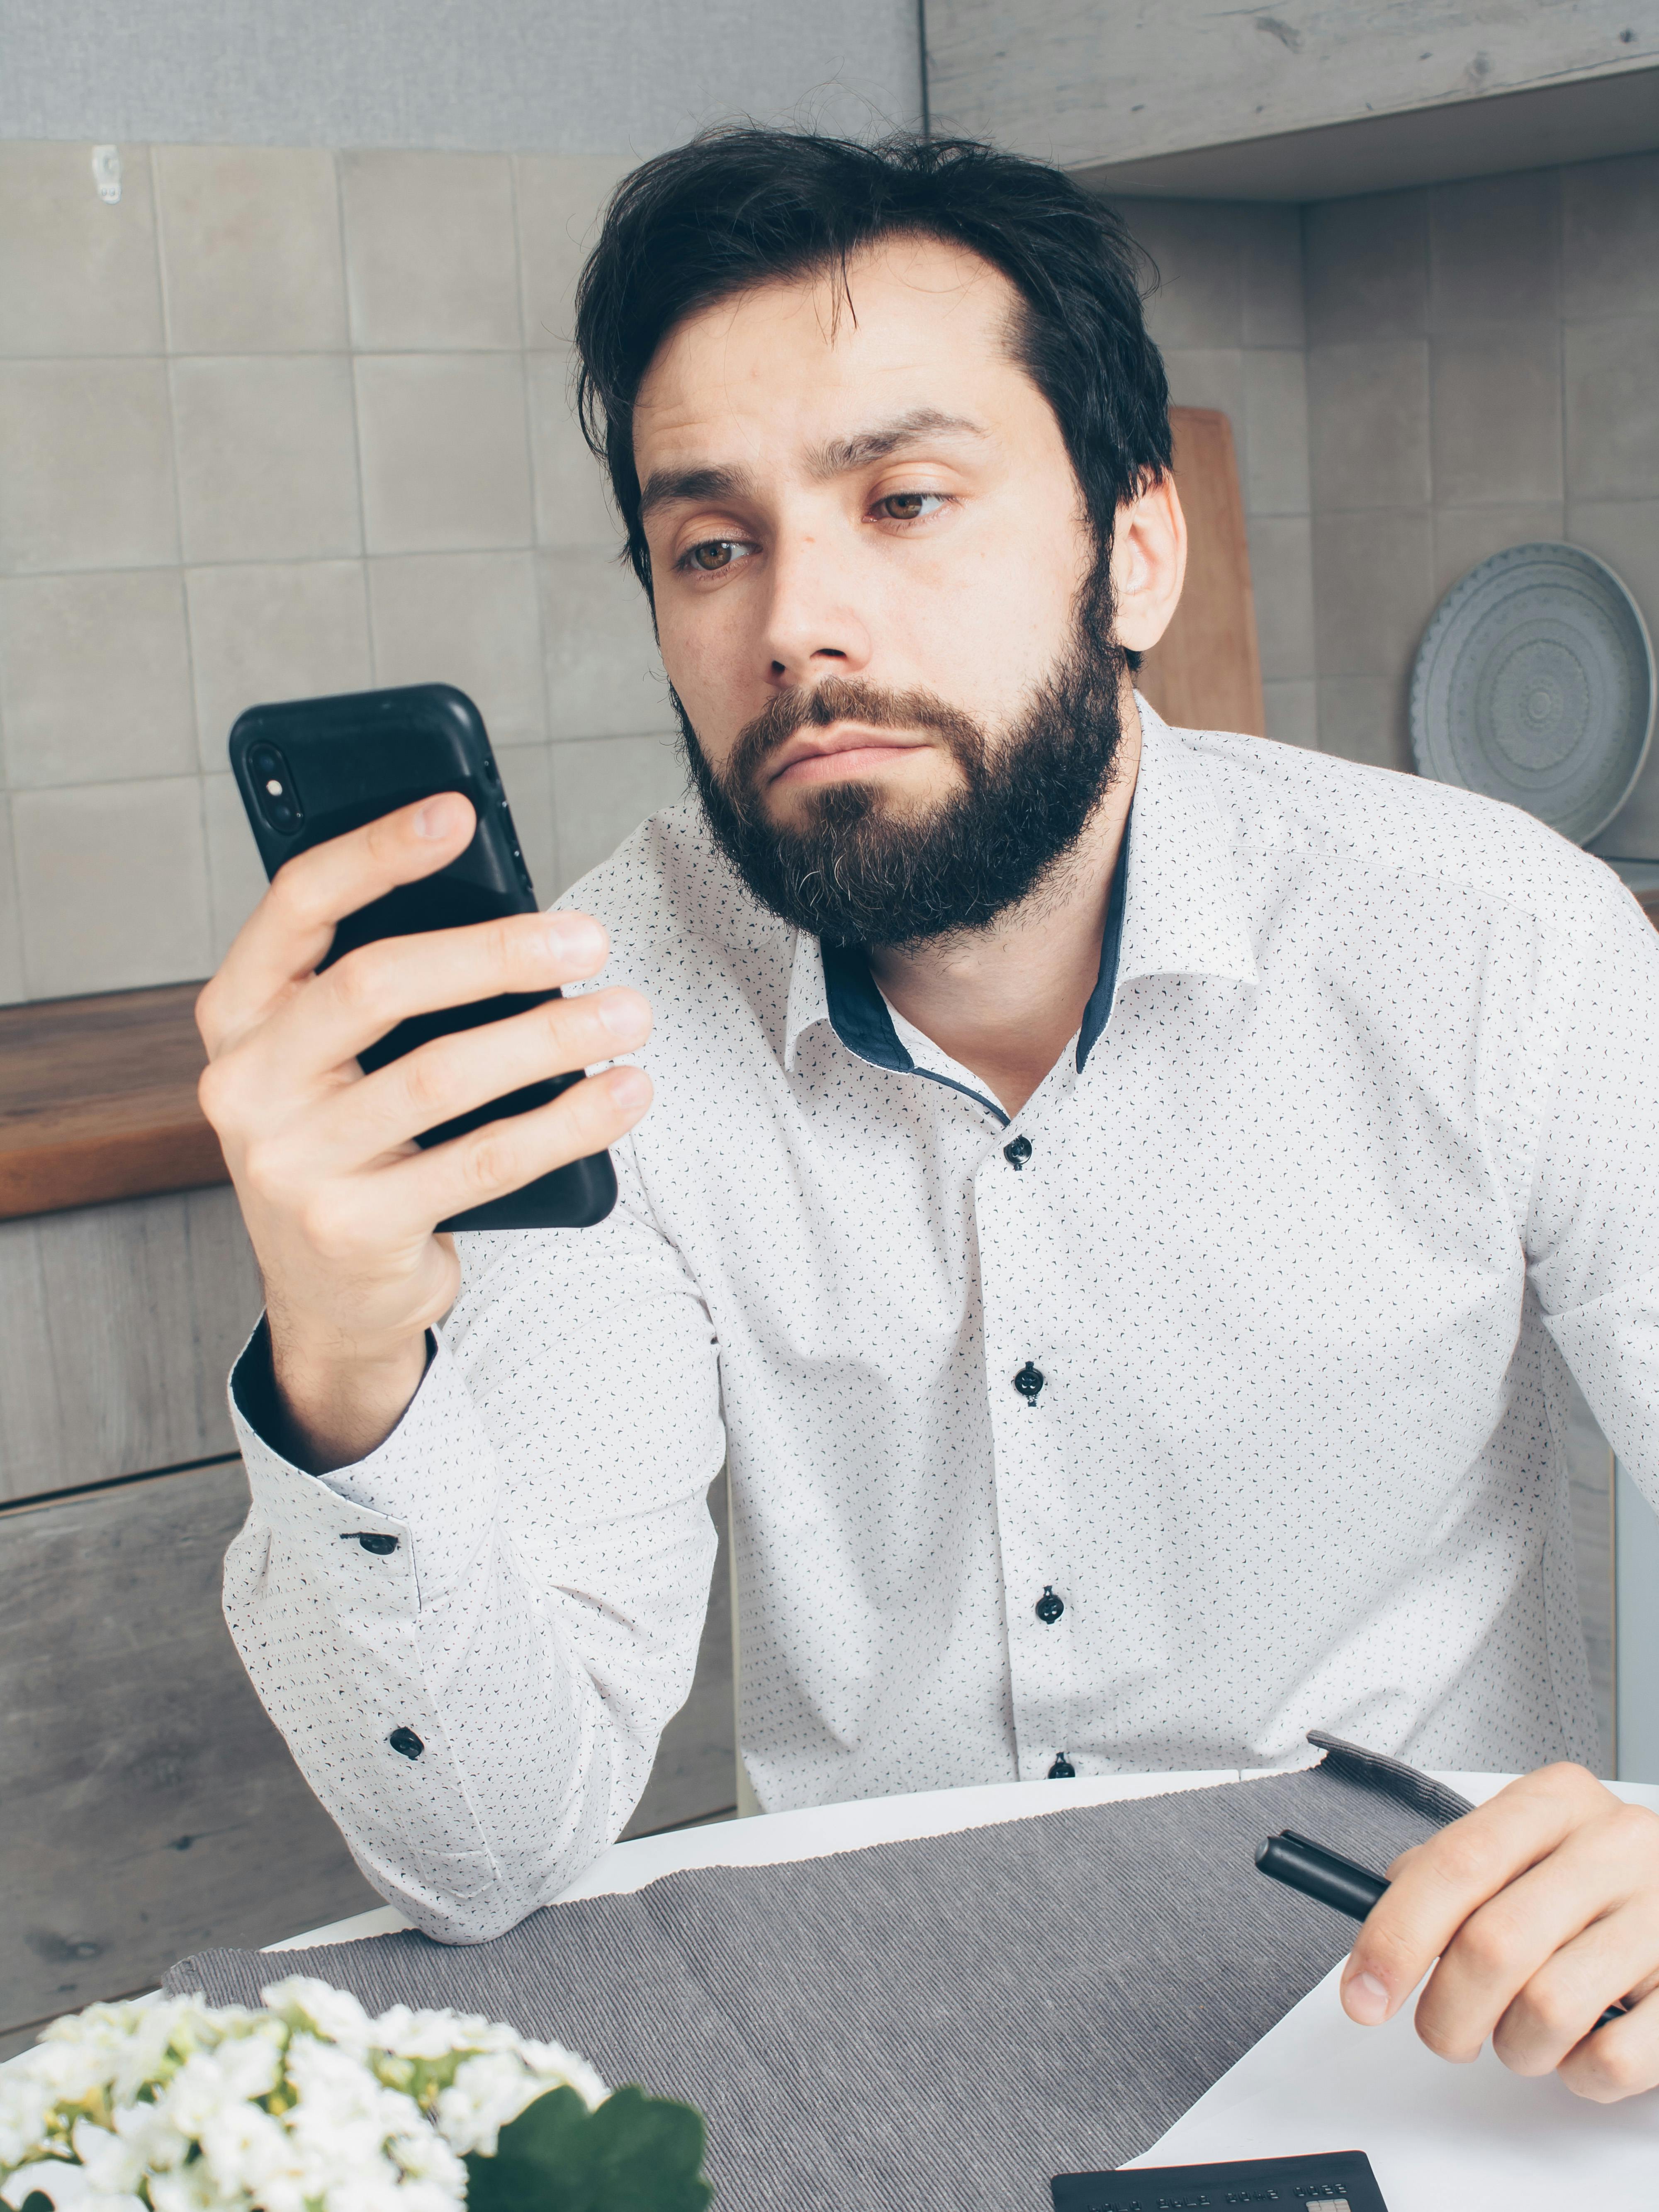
[{"x": 98, "y": 1101}]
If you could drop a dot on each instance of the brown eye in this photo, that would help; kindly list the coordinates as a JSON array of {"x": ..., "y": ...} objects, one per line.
[
  {"x": 910, "y": 506},
  {"x": 716, "y": 554}
]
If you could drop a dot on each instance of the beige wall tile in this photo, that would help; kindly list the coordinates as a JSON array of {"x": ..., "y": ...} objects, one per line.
[
  {"x": 1373, "y": 592},
  {"x": 1609, "y": 221},
  {"x": 572, "y": 505},
  {"x": 1494, "y": 250},
  {"x": 76, "y": 275},
  {"x": 446, "y": 463},
  {"x": 94, "y": 677},
  {"x": 603, "y": 789},
  {"x": 1210, "y": 376},
  {"x": 1363, "y": 718},
  {"x": 267, "y": 459},
  {"x": 1272, "y": 276},
  {"x": 1365, "y": 268},
  {"x": 527, "y": 780},
  {"x": 431, "y": 255},
  {"x": 236, "y": 875},
  {"x": 1368, "y": 413},
  {"x": 1276, "y": 432},
  {"x": 11, "y": 935},
  {"x": 86, "y": 467},
  {"x": 469, "y": 619},
  {"x": 1611, "y": 374},
  {"x": 1465, "y": 535},
  {"x": 1495, "y": 406},
  {"x": 1197, "y": 247},
  {"x": 1293, "y": 713},
  {"x": 250, "y": 249},
  {"x": 1281, "y": 574},
  {"x": 561, "y": 199},
  {"x": 112, "y": 885},
  {"x": 264, "y": 631},
  {"x": 604, "y": 674}
]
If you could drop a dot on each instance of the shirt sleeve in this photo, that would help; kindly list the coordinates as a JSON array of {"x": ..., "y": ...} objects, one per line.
[
  {"x": 1592, "y": 1236},
  {"x": 478, "y": 1702}
]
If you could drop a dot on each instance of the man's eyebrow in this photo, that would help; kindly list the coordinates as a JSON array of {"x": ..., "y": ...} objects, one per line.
[
  {"x": 840, "y": 457},
  {"x": 692, "y": 487}
]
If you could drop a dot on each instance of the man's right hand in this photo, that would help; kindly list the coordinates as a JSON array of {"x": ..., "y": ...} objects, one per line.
[{"x": 340, "y": 1202}]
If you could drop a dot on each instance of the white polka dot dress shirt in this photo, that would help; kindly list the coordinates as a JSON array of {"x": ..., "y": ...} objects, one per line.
[{"x": 1217, "y": 1397}]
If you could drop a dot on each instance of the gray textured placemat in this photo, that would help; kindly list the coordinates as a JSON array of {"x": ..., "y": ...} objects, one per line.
[{"x": 945, "y": 2023}]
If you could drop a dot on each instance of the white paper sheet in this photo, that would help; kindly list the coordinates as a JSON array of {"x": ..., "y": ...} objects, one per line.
[{"x": 1440, "y": 2138}]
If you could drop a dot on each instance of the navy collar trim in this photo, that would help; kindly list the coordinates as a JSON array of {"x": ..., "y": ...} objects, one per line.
[{"x": 862, "y": 1020}]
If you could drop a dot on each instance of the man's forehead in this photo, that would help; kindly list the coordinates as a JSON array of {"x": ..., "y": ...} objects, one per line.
[{"x": 911, "y": 340}]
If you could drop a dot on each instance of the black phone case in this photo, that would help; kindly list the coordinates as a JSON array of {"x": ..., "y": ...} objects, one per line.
[{"x": 336, "y": 764}]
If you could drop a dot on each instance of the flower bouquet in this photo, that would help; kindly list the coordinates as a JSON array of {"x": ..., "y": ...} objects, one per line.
[{"x": 309, "y": 2106}]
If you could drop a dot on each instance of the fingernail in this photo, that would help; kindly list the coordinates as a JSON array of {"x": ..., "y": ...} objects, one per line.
[
  {"x": 1367, "y": 2001},
  {"x": 436, "y": 818},
  {"x": 573, "y": 936},
  {"x": 620, "y": 1014},
  {"x": 629, "y": 1086}
]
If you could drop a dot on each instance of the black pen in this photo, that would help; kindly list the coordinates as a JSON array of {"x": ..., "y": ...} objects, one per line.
[{"x": 1339, "y": 1883}]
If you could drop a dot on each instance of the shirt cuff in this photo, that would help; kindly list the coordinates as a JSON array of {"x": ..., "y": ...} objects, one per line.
[{"x": 432, "y": 1486}]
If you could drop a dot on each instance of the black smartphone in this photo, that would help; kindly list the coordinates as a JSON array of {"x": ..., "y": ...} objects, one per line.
[{"x": 312, "y": 769}]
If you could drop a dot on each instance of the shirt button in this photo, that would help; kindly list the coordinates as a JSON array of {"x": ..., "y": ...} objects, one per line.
[
  {"x": 1028, "y": 1382},
  {"x": 1062, "y": 1770},
  {"x": 405, "y": 1740},
  {"x": 1018, "y": 1152},
  {"x": 379, "y": 1545},
  {"x": 1049, "y": 1606}
]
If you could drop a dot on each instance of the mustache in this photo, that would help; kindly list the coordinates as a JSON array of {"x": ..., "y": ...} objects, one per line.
[{"x": 845, "y": 699}]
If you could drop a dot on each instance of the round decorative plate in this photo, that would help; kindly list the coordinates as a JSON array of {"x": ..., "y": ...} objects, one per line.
[{"x": 1535, "y": 683}]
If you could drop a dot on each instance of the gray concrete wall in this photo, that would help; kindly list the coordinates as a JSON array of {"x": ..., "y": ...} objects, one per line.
[{"x": 565, "y": 77}]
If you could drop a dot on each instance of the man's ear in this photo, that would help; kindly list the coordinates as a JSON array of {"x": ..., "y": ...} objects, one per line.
[{"x": 1149, "y": 563}]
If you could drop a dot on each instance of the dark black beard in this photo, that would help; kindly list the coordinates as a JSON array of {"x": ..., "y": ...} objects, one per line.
[{"x": 855, "y": 874}]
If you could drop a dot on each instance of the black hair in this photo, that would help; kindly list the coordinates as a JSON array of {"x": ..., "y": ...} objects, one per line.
[{"x": 741, "y": 207}]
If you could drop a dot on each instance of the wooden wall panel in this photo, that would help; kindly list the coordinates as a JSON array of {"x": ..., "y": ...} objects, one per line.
[
  {"x": 118, "y": 1327},
  {"x": 1206, "y": 672}
]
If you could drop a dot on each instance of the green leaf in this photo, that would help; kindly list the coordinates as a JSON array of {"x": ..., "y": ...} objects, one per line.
[{"x": 634, "y": 2153}]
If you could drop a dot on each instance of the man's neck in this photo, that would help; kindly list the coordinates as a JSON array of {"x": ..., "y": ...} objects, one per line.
[{"x": 1005, "y": 1001}]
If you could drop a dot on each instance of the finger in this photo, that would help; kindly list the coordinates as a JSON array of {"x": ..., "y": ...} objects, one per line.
[
  {"x": 290, "y": 930},
  {"x": 1435, "y": 1887},
  {"x": 1507, "y": 1942},
  {"x": 1619, "y": 2060},
  {"x": 454, "y": 1074},
  {"x": 1559, "y": 2005},
  {"x": 506, "y": 1155},
  {"x": 370, "y": 991}
]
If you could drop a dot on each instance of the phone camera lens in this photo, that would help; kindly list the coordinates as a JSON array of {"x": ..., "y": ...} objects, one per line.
[{"x": 274, "y": 787}]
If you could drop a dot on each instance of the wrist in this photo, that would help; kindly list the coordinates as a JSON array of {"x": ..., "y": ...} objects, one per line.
[{"x": 337, "y": 1400}]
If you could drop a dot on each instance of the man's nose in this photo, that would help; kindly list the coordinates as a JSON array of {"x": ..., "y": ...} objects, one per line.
[{"x": 814, "y": 625}]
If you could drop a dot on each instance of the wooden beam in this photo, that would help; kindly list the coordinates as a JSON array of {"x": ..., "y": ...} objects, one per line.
[
  {"x": 1085, "y": 82},
  {"x": 1204, "y": 673}
]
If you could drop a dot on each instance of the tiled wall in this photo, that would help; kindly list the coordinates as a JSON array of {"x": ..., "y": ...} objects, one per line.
[
  {"x": 1483, "y": 369},
  {"x": 281, "y": 423},
  {"x": 1228, "y": 315}
]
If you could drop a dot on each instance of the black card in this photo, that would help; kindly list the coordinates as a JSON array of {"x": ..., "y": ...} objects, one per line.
[{"x": 1336, "y": 2181}]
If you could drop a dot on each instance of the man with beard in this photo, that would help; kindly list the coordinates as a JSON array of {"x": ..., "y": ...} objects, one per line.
[{"x": 1123, "y": 1202}]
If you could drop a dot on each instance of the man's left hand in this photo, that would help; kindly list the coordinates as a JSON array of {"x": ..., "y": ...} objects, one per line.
[{"x": 1542, "y": 1909}]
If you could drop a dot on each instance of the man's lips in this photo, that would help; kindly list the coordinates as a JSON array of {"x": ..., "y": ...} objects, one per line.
[{"x": 844, "y": 749}]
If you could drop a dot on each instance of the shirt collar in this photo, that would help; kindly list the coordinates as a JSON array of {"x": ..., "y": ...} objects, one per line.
[{"x": 1176, "y": 907}]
